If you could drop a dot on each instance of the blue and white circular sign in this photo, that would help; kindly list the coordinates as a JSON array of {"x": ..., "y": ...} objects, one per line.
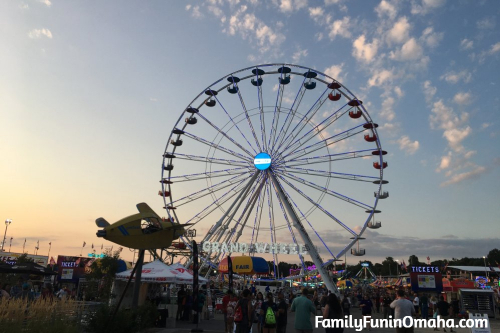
[{"x": 262, "y": 161}]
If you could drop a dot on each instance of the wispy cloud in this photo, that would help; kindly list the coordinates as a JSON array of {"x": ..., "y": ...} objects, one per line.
[
  {"x": 425, "y": 6},
  {"x": 455, "y": 77},
  {"x": 38, "y": 33},
  {"x": 364, "y": 51},
  {"x": 408, "y": 146}
]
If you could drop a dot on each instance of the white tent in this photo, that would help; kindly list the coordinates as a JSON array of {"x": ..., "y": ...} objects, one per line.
[
  {"x": 156, "y": 272},
  {"x": 186, "y": 272}
]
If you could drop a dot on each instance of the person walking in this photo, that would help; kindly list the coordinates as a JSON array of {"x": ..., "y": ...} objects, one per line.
[
  {"x": 181, "y": 294},
  {"x": 244, "y": 323},
  {"x": 366, "y": 306},
  {"x": 269, "y": 311},
  {"x": 229, "y": 314},
  {"x": 377, "y": 301},
  {"x": 443, "y": 308},
  {"x": 282, "y": 314},
  {"x": 403, "y": 308},
  {"x": 225, "y": 302},
  {"x": 424, "y": 306},
  {"x": 303, "y": 307},
  {"x": 346, "y": 306},
  {"x": 257, "y": 306},
  {"x": 386, "y": 305},
  {"x": 333, "y": 310},
  {"x": 416, "y": 303}
]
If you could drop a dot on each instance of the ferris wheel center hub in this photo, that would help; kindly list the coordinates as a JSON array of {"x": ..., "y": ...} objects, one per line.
[{"x": 262, "y": 161}]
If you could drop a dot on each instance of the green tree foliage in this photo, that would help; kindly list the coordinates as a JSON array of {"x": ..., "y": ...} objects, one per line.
[{"x": 101, "y": 276}]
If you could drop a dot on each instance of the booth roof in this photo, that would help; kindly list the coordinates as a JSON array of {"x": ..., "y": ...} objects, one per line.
[{"x": 475, "y": 268}]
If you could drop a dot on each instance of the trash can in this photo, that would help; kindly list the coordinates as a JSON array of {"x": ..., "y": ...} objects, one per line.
[{"x": 162, "y": 318}]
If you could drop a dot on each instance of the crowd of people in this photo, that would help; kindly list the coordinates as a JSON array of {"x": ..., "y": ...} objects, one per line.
[{"x": 26, "y": 291}]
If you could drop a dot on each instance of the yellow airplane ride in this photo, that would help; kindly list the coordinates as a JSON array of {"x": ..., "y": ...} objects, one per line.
[{"x": 142, "y": 231}]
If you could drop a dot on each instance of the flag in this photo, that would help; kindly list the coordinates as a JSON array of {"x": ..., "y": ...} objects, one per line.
[
  {"x": 102, "y": 246},
  {"x": 92, "y": 245},
  {"x": 84, "y": 244},
  {"x": 445, "y": 266},
  {"x": 428, "y": 258},
  {"x": 490, "y": 267},
  {"x": 50, "y": 243},
  {"x": 120, "y": 249},
  {"x": 52, "y": 261}
]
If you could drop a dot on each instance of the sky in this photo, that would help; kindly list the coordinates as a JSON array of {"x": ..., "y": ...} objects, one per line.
[{"x": 90, "y": 91}]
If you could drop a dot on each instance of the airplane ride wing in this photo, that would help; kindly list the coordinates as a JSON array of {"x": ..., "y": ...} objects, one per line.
[
  {"x": 145, "y": 209},
  {"x": 101, "y": 222}
]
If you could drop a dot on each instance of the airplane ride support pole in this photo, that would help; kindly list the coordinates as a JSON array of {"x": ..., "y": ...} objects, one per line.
[
  {"x": 305, "y": 237},
  {"x": 137, "y": 282}
]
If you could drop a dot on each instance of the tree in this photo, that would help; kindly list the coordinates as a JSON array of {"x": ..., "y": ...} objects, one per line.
[
  {"x": 23, "y": 258},
  {"x": 413, "y": 260},
  {"x": 101, "y": 276}
]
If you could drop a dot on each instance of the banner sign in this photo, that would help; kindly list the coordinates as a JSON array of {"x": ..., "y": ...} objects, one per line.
[
  {"x": 274, "y": 248},
  {"x": 11, "y": 258}
]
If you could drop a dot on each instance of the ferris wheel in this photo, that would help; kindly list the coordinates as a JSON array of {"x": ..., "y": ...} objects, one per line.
[{"x": 275, "y": 160}]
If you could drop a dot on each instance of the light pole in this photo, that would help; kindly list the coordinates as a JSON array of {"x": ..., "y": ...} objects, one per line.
[
  {"x": 397, "y": 266},
  {"x": 7, "y": 223},
  {"x": 485, "y": 271}
]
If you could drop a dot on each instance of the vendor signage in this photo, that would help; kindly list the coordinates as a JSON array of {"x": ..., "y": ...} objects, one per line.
[
  {"x": 11, "y": 258},
  {"x": 426, "y": 278},
  {"x": 274, "y": 248}
]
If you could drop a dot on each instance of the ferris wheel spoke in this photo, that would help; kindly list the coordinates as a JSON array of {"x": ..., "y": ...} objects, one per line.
[
  {"x": 313, "y": 132},
  {"x": 316, "y": 204},
  {"x": 217, "y": 203},
  {"x": 224, "y": 134},
  {"x": 219, "y": 147},
  {"x": 308, "y": 222},
  {"x": 328, "y": 158},
  {"x": 328, "y": 191},
  {"x": 286, "y": 125},
  {"x": 327, "y": 142},
  {"x": 261, "y": 114},
  {"x": 272, "y": 225},
  {"x": 211, "y": 174},
  {"x": 276, "y": 115},
  {"x": 209, "y": 190},
  {"x": 235, "y": 124},
  {"x": 289, "y": 119},
  {"x": 248, "y": 119},
  {"x": 289, "y": 224},
  {"x": 212, "y": 160},
  {"x": 332, "y": 174},
  {"x": 305, "y": 119}
]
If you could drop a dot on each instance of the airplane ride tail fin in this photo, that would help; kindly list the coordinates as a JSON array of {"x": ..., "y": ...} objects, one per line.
[
  {"x": 145, "y": 209},
  {"x": 101, "y": 222}
]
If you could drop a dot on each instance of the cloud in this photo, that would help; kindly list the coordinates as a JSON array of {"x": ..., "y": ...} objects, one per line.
[
  {"x": 457, "y": 178},
  {"x": 466, "y": 44},
  {"x": 431, "y": 38},
  {"x": 455, "y": 132},
  {"x": 334, "y": 71},
  {"x": 298, "y": 55},
  {"x": 379, "y": 77},
  {"x": 462, "y": 98},
  {"x": 39, "y": 33},
  {"x": 487, "y": 23},
  {"x": 46, "y": 2},
  {"x": 400, "y": 32},
  {"x": 248, "y": 26},
  {"x": 454, "y": 77},
  {"x": 288, "y": 6},
  {"x": 426, "y": 6},
  {"x": 486, "y": 125},
  {"x": 399, "y": 92},
  {"x": 216, "y": 11},
  {"x": 316, "y": 13},
  {"x": 24, "y": 6},
  {"x": 410, "y": 51},
  {"x": 386, "y": 8},
  {"x": 341, "y": 28},
  {"x": 407, "y": 145},
  {"x": 388, "y": 108},
  {"x": 445, "y": 162},
  {"x": 495, "y": 48},
  {"x": 429, "y": 91},
  {"x": 363, "y": 51},
  {"x": 331, "y": 2}
]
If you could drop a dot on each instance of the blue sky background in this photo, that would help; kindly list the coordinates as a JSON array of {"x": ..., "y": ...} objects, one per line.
[{"x": 89, "y": 92}]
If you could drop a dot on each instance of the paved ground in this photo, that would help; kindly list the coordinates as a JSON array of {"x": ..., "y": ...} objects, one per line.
[{"x": 217, "y": 325}]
